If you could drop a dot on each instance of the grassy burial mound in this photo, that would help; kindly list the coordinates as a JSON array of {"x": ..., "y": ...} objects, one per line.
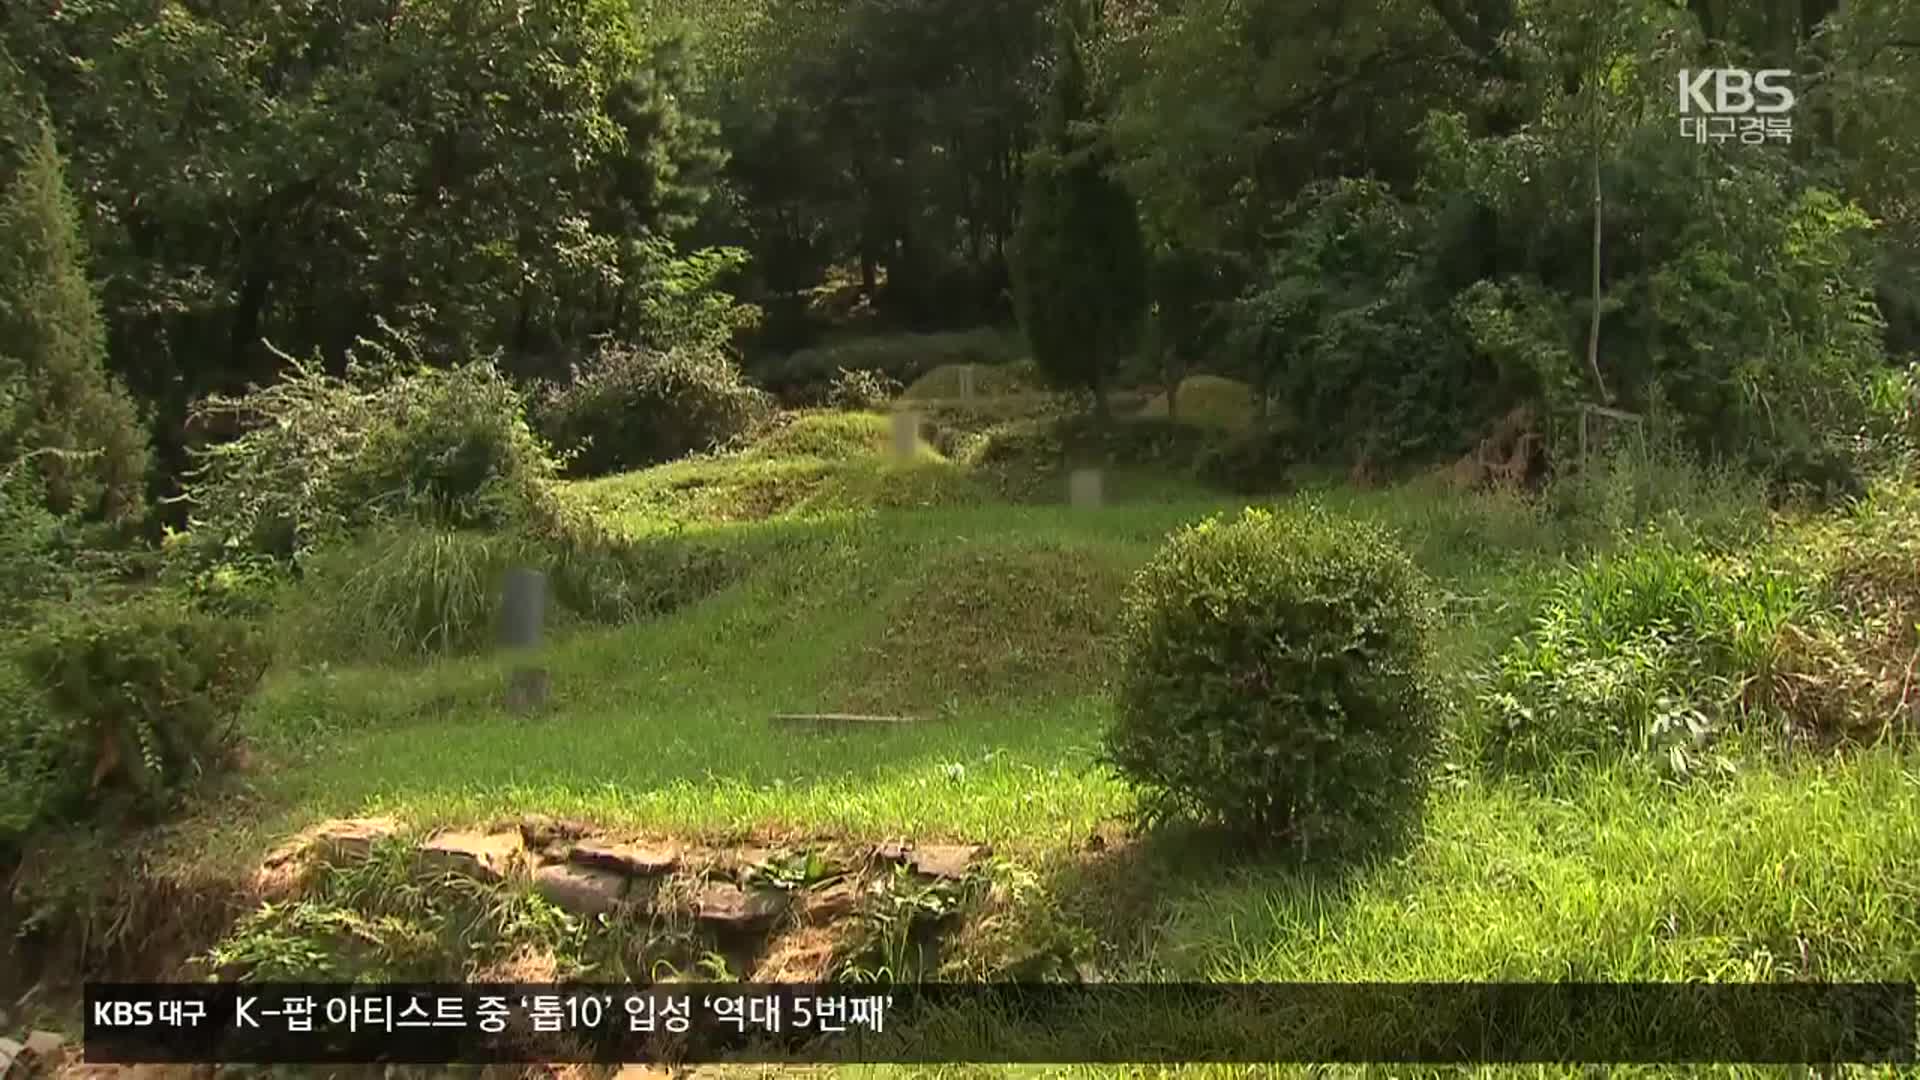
[{"x": 1208, "y": 401}]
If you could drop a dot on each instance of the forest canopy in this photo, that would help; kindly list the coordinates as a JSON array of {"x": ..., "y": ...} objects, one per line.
[{"x": 1402, "y": 217}]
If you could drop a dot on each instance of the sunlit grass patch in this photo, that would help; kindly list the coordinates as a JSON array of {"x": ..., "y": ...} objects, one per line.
[
  {"x": 1804, "y": 872},
  {"x": 825, "y": 434},
  {"x": 951, "y": 381},
  {"x": 1208, "y": 401}
]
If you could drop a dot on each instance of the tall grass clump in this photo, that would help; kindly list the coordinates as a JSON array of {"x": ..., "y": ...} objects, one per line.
[
  {"x": 1663, "y": 649},
  {"x": 1277, "y": 680},
  {"x": 1659, "y": 486},
  {"x": 412, "y": 591}
]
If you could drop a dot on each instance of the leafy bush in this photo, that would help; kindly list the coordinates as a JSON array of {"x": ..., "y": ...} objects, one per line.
[
  {"x": 865, "y": 391},
  {"x": 1276, "y": 679},
  {"x": 318, "y": 457},
  {"x": 38, "y": 768},
  {"x": 1255, "y": 463},
  {"x": 628, "y": 408},
  {"x": 453, "y": 448},
  {"x": 29, "y": 536},
  {"x": 1890, "y": 441},
  {"x": 1661, "y": 488},
  {"x": 141, "y": 693},
  {"x": 1652, "y": 651},
  {"x": 682, "y": 304}
]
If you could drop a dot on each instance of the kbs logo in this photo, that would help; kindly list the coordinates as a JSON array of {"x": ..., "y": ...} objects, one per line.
[
  {"x": 1734, "y": 91},
  {"x": 123, "y": 1013},
  {"x": 1720, "y": 103}
]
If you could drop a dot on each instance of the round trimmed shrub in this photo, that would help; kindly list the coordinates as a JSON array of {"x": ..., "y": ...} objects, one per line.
[
  {"x": 1276, "y": 681},
  {"x": 628, "y": 408}
]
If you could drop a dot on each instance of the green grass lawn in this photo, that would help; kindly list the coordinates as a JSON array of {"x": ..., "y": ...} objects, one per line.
[{"x": 989, "y": 623}]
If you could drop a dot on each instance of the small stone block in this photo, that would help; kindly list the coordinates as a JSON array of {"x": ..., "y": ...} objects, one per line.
[
  {"x": 836, "y": 901},
  {"x": 487, "y": 857},
  {"x": 949, "y": 861},
  {"x": 730, "y": 907},
  {"x": 1086, "y": 488},
  {"x": 581, "y": 890},
  {"x": 9, "y": 1053},
  {"x": 42, "y": 1051},
  {"x": 528, "y": 689},
  {"x": 523, "y": 608},
  {"x": 347, "y": 839},
  {"x": 354, "y": 839},
  {"x": 632, "y": 859},
  {"x": 906, "y": 435}
]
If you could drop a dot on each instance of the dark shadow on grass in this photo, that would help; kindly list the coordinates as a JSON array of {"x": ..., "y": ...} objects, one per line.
[{"x": 1126, "y": 888}]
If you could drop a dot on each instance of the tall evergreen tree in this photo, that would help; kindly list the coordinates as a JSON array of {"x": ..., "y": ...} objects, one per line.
[
  {"x": 1082, "y": 263},
  {"x": 69, "y": 414}
]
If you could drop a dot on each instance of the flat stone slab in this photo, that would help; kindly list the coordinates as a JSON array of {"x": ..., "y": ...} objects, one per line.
[
  {"x": 41, "y": 1054},
  {"x": 836, "y": 901},
  {"x": 539, "y": 830},
  {"x": 490, "y": 857},
  {"x": 728, "y": 906},
  {"x": 838, "y": 721},
  {"x": 948, "y": 861},
  {"x": 635, "y": 860},
  {"x": 581, "y": 890},
  {"x": 349, "y": 839}
]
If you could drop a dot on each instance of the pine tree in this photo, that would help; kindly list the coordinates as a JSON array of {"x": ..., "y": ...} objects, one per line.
[
  {"x": 70, "y": 414},
  {"x": 1081, "y": 257}
]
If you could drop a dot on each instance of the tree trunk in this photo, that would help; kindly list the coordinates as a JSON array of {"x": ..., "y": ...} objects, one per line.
[
  {"x": 245, "y": 339},
  {"x": 1593, "y": 322},
  {"x": 1175, "y": 372}
]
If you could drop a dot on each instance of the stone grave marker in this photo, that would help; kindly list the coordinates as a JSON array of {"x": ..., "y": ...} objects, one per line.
[
  {"x": 1086, "y": 488},
  {"x": 966, "y": 382},
  {"x": 906, "y": 434},
  {"x": 523, "y": 612}
]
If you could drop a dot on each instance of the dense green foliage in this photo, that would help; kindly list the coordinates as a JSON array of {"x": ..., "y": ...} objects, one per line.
[
  {"x": 1081, "y": 273},
  {"x": 627, "y": 408},
  {"x": 317, "y": 456},
  {"x": 1277, "y": 680},
  {"x": 484, "y": 176},
  {"x": 138, "y": 698},
  {"x": 1670, "y": 651},
  {"x": 1396, "y": 219},
  {"x": 63, "y": 416},
  {"x": 863, "y": 391}
]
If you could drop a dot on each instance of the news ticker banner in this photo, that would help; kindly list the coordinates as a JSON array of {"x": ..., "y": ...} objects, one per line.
[{"x": 1001, "y": 1023}]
